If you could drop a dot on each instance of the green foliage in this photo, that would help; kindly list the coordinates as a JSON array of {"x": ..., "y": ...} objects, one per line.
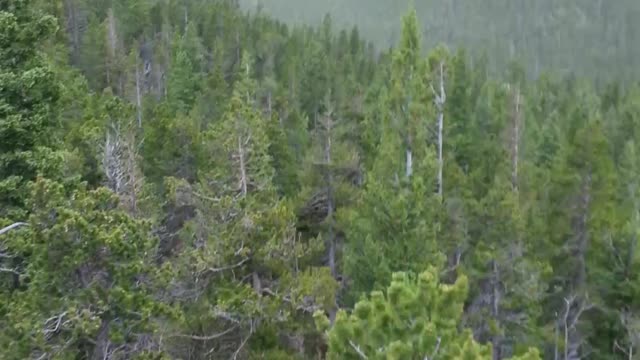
[
  {"x": 416, "y": 318},
  {"x": 543, "y": 34},
  {"x": 28, "y": 96},
  {"x": 394, "y": 226},
  {"x": 260, "y": 172},
  {"x": 88, "y": 281}
]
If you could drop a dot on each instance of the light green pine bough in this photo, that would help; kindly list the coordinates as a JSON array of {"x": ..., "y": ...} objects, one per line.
[{"x": 418, "y": 318}]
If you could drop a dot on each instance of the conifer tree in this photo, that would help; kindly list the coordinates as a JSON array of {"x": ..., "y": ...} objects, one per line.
[
  {"x": 88, "y": 286},
  {"x": 93, "y": 52},
  {"x": 394, "y": 225},
  {"x": 211, "y": 101},
  {"x": 580, "y": 219},
  {"x": 243, "y": 235},
  {"x": 499, "y": 255},
  {"x": 28, "y": 97},
  {"x": 182, "y": 84},
  {"x": 330, "y": 174},
  {"x": 458, "y": 162},
  {"x": 622, "y": 257},
  {"x": 314, "y": 79},
  {"x": 416, "y": 318}
]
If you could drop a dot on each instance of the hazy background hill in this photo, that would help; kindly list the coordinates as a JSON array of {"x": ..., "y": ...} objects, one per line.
[{"x": 582, "y": 36}]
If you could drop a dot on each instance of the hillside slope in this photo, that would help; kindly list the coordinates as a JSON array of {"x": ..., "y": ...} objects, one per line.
[{"x": 582, "y": 36}]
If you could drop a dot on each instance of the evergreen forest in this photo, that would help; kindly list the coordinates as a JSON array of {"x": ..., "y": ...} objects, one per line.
[
  {"x": 568, "y": 36},
  {"x": 211, "y": 179}
]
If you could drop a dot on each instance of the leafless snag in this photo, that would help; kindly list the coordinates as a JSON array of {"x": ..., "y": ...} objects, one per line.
[
  {"x": 632, "y": 326},
  {"x": 440, "y": 100},
  {"x": 8, "y": 270},
  {"x": 43, "y": 356},
  {"x": 11, "y": 227},
  {"x": 243, "y": 170},
  {"x": 435, "y": 351},
  {"x": 53, "y": 325},
  {"x": 515, "y": 139},
  {"x": 358, "y": 350},
  {"x": 225, "y": 268},
  {"x": 251, "y": 330},
  {"x": 119, "y": 163},
  {"x": 575, "y": 306}
]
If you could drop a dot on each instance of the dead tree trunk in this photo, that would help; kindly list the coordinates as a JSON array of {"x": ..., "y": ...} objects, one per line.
[
  {"x": 575, "y": 306},
  {"x": 440, "y": 100},
  {"x": 408, "y": 162},
  {"x": 515, "y": 140},
  {"x": 243, "y": 169},
  {"x": 496, "y": 340},
  {"x": 112, "y": 41},
  {"x": 577, "y": 302},
  {"x": 138, "y": 96},
  {"x": 102, "y": 343},
  {"x": 120, "y": 166}
]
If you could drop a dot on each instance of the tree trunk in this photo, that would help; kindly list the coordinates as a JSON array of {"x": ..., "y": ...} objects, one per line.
[
  {"x": 515, "y": 140},
  {"x": 243, "y": 170},
  {"x": 138, "y": 96},
  {"x": 74, "y": 29},
  {"x": 409, "y": 162},
  {"x": 496, "y": 340},
  {"x": 101, "y": 350},
  {"x": 112, "y": 41},
  {"x": 186, "y": 18},
  {"x": 576, "y": 303},
  {"x": 440, "y": 156},
  {"x": 440, "y": 100},
  {"x": 257, "y": 283}
]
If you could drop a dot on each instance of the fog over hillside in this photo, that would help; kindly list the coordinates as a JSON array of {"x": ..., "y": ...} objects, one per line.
[{"x": 582, "y": 36}]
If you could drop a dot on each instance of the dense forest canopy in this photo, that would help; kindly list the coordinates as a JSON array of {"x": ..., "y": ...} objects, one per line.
[
  {"x": 186, "y": 179},
  {"x": 571, "y": 36}
]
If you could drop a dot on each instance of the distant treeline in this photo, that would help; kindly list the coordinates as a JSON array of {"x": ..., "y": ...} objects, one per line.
[{"x": 584, "y": 37}]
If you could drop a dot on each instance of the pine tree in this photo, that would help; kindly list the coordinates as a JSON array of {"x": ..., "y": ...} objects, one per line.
[
  {"x": 459, "y": 110},
  {"x": 182, "y": 85},
  {"x": 579, "y": 218},
  {"x": 92, "y": 54},
  {"x": 210, "y": 104},
  {"x": 88, "y": 286},
  {"x": 455, "y": 161},
  {"x": 28, "y": 98},
  {"x": 330, "y": 174},
  {"x": 393, "y": 228},
  {"x": 619, "y": 324},
  {"x": 242, "y": 249},
  {"x": 314, "y": 80},
  {"x": 497, "y": 252},
  {"x": 417, "y": 318}
]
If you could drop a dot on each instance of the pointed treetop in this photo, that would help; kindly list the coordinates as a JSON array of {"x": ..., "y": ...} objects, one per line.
[
  {"x": 245, "y": 86},
  {"x": 410, "y": 39}
]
